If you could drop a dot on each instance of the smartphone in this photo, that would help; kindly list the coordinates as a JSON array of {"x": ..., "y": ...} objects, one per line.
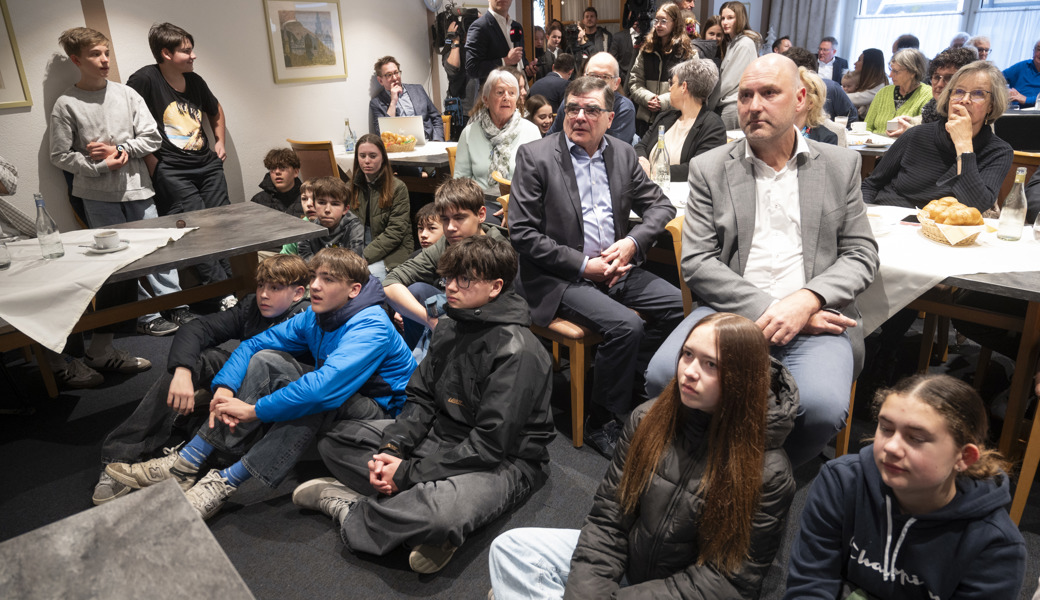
[{"x": 911, "y": 220}]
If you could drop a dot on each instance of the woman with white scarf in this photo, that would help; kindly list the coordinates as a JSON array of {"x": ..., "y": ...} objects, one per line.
[{"x": 490, "y": 141}]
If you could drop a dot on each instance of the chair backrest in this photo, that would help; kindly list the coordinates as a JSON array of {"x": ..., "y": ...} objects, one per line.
[
  {"x": 838, "y": 130},
  {"x": 1029, "y": 160},
  {"x": 674, "y": 227},
  {"x": 503, "y": 184},
  {"x": 451, "y": 158},
  {"x": 447, "y": 126},
  {"x": 317, "y": 159}
]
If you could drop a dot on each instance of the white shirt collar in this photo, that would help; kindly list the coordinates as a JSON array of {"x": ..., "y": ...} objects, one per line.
[{"x": 801, "y": 147}]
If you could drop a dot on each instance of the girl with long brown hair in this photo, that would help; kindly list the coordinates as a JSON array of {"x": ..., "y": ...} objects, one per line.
[
  {"x": 381, "y": 201},
  {"x": 919, "y": 513},
  {"x": 666, "y": 45},
  {"x": 739, "y": 47},
  {"x": 693, "y": 503}
]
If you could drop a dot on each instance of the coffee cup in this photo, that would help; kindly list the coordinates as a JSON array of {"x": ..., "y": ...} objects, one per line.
[
  {"x": 892, "y": 125},
  {"x": 859, "y": 127},
  {"x": 107, "y": 239}
]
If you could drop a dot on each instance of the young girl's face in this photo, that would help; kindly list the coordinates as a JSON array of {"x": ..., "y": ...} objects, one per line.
[
  {"x": 369, "y": 159},
  {"x": 916, "y": 453},
  {"x": 429, "y": 233},
  {"x": 307, "y": 202},
  {"x": 713, "y": 33},
  {"x": 698, "y": 370},
  {"x": 543, "y": 118},
  {"x": 728, "y": 19}
]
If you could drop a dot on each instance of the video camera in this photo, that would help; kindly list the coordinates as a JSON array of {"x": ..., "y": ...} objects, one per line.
[
  {"x": 462, "y": 17},
  {"x": 637, "y": 11}
]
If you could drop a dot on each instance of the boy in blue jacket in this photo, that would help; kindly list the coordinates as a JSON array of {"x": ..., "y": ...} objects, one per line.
[
  {"x": 362, "y": 369},
  {"x": 194, "y": 360}
]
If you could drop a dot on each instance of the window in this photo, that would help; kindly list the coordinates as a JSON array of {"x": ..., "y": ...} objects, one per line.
[{"x": 907, "y": 7}]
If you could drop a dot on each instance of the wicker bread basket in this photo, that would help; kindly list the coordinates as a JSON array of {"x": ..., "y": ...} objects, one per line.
[{"x": 932, "y": 231}]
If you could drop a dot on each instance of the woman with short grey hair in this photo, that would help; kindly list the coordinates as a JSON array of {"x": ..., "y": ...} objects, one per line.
[
  {"x": 905, "y": 97},
  {"x": 689, "y": 129}
]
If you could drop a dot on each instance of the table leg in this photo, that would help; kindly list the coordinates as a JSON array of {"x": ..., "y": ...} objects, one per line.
[
  {"x": 243, "y": 268},
  {"x": 45, "y": 371},
  {"x": 1025, "y": 363}
]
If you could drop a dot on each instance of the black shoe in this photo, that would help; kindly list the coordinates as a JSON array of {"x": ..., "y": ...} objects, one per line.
[
  {"x": 604, "y": 440},
  {"x": 157, "y": 327},
  {"x": 181, "y": 316}
]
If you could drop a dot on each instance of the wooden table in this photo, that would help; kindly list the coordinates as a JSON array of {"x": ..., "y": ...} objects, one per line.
[
  {"x": 236, "y": 232},
  {"x": 432, "y": 155}
]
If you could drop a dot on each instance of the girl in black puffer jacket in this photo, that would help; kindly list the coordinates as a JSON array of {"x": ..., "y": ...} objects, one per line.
[{"x": 694, "y": 501}]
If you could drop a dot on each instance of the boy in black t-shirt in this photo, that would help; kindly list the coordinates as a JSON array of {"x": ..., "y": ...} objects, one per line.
[{"x": 188, "y": 174}]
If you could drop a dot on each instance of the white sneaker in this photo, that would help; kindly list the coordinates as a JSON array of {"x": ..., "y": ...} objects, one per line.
[
  {"x": 157, "y": 470},
  {"x": 210, "y": 494},
  {"x": 119, "y": 361},
  {"x": 108, "y": 489},
  {"x": 78, "y": 376}
]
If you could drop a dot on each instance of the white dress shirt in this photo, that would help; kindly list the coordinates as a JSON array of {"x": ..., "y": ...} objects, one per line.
[
  {"x": 826, "y": 70},
  {"x": 775, "y": 263}
]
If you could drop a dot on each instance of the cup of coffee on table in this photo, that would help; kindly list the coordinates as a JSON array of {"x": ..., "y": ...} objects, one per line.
[
  {"x": 106, "y": 239},
  {"x": 859, "y": 127}
]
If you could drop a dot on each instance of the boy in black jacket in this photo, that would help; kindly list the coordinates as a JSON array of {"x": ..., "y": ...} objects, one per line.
[
  {"x": 280, "y": 188},
  {"x": 195, "y": 359},
  {"x": 472, "y": 440}
]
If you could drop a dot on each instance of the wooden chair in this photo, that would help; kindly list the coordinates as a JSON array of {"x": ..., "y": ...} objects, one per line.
[
  {"x": 1029, "y": 160},
  {"x": 317, "y": 159},
  {"x": 447, "y": 127},
  {"x": 503, "y": 184},
  {"x": 579, "y": 342},
  {"x": 451, "y": 158},
  {"x": 504, "y": 201}
]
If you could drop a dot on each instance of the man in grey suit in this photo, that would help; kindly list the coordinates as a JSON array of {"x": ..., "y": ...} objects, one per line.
[
  {"x": 398, "y": 99},
  {"x": 776, "y": 231},
  {"x": 569, "y": 221}
]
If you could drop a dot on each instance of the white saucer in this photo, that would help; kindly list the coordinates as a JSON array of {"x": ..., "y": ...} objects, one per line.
[{"x": 123, "y": 245}]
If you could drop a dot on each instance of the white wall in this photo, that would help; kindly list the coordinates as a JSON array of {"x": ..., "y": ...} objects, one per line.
[{"x": 235, "y": 60}]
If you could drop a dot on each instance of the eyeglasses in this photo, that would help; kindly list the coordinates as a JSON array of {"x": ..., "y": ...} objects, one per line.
[
  {"x": 591, "y": 112},
  {"x": 607, "y": 78},
  {"x": 936, "y": 78},
  {"x": 461, "y": 281},
  {"x": 664, "y": 21},
  {"x": 392, "y": 74},
  {"x": 977, "y": 96}
]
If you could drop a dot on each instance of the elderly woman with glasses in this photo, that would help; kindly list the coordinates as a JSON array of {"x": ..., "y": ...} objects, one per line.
[
  {"x": 689, "y": 129},
  {"x": 905, "y": 97},
  {"x": 490, "y": 141},
  {"x": 957, "y": 156}
]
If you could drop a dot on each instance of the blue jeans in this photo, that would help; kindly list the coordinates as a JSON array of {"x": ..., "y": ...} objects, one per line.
[
  {"x": 431, "y": 512},
  {"x": 413, "y": 330},
  {"x": 106, "y": 214},
  {"x": 531, "y": 563},
  {"x": 272, "y": 457},
  {"x": 822, "y": 366}
]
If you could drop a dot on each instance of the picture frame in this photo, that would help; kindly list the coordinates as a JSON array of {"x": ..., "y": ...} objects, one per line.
[
  {"x": 306, "y": 40},
  {"x": 14, "y": 88}
]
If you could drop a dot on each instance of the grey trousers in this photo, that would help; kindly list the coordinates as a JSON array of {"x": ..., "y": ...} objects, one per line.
[{"x": 428, "y": 513}]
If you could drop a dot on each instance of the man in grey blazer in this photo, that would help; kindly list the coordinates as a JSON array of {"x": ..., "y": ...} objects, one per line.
[
  {"x": 398, "y": 99},
  {"x": 776, "y": 231},
  {"x": 569, "y": 212}
]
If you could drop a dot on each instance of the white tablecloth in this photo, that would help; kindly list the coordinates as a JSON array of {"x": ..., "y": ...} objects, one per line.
[
  {"x": 911, "y": 264},
  {"x": 428, "y": 152},
  {"x": 44, "y": 299}
]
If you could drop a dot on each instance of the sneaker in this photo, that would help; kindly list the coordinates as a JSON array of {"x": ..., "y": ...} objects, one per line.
[
  {"x": 157, "y": 327},
  {"x": 604, "y": 440},
  {"x": 491, "y": 594},
  {"x": 428, "y": 558},
  {"x": 326, "y": 495},
  {"x": 151, "y": 472},
  {"x": 78, "y": 376},
  {"x": 119, "y": 361},
  {"x": 181, "y": 316},
  {"x": 209, "y": 494},
  {"x": 228, "y": 302},
  {"x": 108, "y": 489}
]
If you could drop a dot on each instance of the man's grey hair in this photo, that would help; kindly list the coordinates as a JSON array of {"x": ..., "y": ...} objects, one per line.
[
  {"x": 699, "y": 75},
  {"x": 832, "y": 40}
]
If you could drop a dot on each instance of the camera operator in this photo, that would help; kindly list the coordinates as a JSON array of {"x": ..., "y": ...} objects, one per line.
[{"x": 462, "y": 90}]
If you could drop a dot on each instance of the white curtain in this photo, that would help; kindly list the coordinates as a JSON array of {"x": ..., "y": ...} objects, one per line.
[
  {"x": 1012, "y": 33},
  {"x": 807, "y": 21},
  {"x": 934, "y": 31}
]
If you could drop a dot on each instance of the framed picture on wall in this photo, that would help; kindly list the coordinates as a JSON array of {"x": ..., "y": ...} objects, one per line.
[
  {"x": 14, "y": 89},
  {"x": 306, "y": 40}
]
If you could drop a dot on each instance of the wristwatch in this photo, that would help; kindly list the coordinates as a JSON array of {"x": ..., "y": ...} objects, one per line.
[{"x": 120, "y": 149}]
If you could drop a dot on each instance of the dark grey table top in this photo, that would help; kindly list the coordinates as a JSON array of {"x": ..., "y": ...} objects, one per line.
[
  {"x": 222, "y": 232},
  {"x": 1021, "y": 285}
]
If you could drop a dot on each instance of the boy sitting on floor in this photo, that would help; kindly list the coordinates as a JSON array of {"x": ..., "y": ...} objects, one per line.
[
  {"x": 363, "y": 367},
  {"x": 459, "y": 203},
  {"x": 472, "y": 440},
  {"x": 280, "y": 188},
  {"x": 195, "y": 358},
  {"x": 330, "y": 205}
]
